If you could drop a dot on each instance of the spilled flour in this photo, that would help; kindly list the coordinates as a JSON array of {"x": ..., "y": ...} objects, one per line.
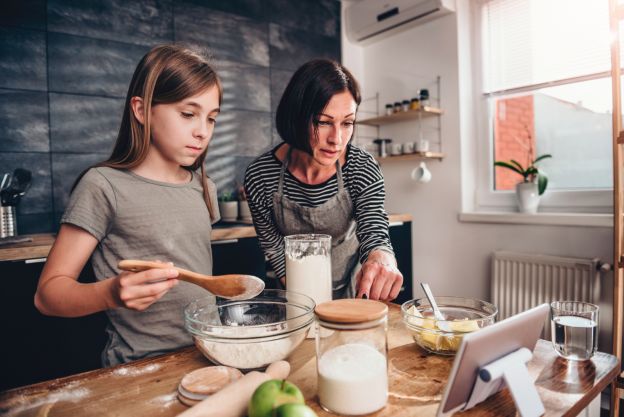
[
  {"x": 67, "y": 393},
  {"x": 130, "y": 371}
]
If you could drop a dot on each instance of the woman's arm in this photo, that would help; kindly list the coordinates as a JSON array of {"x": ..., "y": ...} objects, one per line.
[
  {"x": 379, "y": 277},
  {"x": 60, "y": 294}
]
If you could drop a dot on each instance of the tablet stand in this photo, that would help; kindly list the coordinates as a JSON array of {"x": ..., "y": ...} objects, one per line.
[{"x": 509, "y": 370}]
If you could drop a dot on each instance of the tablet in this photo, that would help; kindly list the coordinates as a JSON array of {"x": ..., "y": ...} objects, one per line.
[{"x": 485, "y": 346}]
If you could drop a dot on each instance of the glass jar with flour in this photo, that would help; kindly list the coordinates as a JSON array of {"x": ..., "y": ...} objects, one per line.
[
  {"x": 351, "y": 355},
  {"x": 308, "y": 266}
]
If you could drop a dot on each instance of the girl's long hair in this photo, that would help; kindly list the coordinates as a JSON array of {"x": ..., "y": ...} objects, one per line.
[{"x": 166, "y": 74}]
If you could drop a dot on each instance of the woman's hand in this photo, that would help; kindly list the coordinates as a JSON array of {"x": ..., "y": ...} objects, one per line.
[
  {"x": 379, "y": 278},
  {"x": 139, "y": 290}
]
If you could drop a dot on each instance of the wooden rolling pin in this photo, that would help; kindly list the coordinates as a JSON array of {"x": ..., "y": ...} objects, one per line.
[{"x": 232, "y": 401}]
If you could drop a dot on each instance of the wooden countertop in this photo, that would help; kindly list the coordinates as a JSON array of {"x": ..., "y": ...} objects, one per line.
[
  {"x": 416, "y": 382},
  {"x": 40, "y": 245}
]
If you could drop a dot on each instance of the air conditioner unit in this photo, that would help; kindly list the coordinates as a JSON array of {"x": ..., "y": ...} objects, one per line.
[{"x": 368, "y": 21}]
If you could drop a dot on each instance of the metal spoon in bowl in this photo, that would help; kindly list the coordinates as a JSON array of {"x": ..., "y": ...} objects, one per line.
[
  {"x": 233, "y": 286},
  {"x": 440, "y": 319}
]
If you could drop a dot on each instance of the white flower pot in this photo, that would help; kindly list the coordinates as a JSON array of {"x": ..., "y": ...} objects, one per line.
[
  {"x": 228, "y": 210},
  {"x": 528, "y": 197},
  {"x": 243, "y": 211}
]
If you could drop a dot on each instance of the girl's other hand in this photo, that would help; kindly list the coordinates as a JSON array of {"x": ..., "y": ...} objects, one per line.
[
  {"x": 379, "y": 278},
  {"x": 139, "y": 290}
]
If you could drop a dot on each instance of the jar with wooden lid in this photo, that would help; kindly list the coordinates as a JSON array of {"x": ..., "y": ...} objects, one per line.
[{"x": 351, "y": 356}]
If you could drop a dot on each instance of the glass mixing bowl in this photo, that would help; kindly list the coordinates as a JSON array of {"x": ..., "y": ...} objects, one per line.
[
  {"x": 250, "y": 334},
  {"x": 463, "y": 315}
]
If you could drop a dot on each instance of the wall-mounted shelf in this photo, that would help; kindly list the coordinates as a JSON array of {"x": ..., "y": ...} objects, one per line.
[
  {"x": 402, "y": 116},
  {"x": 412, "y": 156}
]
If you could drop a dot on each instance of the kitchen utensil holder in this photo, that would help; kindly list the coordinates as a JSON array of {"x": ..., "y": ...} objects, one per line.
[{"x": 8, "y": 221}]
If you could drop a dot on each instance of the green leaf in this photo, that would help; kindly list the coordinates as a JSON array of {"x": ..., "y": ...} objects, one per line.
[
  {"x": 542, "y": 157},
  {"x": 531, "y": 171},
  {"x": 516, "y": 163},
  {"x": 508, "y": 166},
  {"x": 542, "y": 182}
]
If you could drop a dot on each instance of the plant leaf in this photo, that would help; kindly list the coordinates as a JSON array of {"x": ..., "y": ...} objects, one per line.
[
  {"x": 531, "y": 171},
  {"x": 542, "y": 182},
  {"x": 539, "y": 158},
  {"x": 516, "y": 163},
  {"x": 508, "y": 166}
]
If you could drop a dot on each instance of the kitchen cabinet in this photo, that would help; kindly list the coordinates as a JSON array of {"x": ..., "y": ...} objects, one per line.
[
  {"x": 37, "y": 347},
  {"x": 401, "y": 238}
]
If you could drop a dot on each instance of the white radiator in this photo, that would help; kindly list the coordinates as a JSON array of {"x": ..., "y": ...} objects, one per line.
[{"x": 522, "y": 281}]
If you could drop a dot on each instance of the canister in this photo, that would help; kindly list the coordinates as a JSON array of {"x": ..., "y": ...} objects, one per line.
[
  {"x": 352, "y": 356},
  {"x": 8, "y": 221}
]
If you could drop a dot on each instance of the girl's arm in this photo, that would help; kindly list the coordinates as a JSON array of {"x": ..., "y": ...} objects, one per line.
[{"x": 60, "y": 294}]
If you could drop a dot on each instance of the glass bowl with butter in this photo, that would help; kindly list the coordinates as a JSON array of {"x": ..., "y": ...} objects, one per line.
[{"x": 463, "y": 315}]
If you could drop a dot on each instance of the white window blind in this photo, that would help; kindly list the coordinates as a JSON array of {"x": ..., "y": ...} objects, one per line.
[{"x": 529, "y": 42}]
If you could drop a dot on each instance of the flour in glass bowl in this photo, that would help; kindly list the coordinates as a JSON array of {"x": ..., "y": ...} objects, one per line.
[{"x": 249, "y": 355}]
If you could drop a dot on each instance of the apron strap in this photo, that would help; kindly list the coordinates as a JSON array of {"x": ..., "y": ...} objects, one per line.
[
  {"x": 339, "y": 175},
  {"x": 280, "y": 184}
]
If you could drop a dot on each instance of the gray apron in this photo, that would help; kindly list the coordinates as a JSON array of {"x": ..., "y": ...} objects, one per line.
[{"x": 335, "y": 217}]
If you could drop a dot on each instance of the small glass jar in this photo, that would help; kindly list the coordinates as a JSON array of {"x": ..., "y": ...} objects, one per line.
[
  {"x": 351, "y": 356},
  {"x": 389, "y": 109},
  {"x": 405, "y": 104},
  {"x": 415, "y": 103},
  {"x": 397, "y": 106}
]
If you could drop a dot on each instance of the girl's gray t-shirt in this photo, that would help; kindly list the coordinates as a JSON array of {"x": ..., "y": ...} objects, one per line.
[{"x": 137, "y": 218}]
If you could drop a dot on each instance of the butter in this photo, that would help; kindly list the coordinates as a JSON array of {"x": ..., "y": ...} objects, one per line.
[{"x": 429, "y": 338}]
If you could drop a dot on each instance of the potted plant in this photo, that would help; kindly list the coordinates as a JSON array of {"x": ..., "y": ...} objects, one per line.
[
  {"x": 533, "y": 185},
  {"x": 228, "y": 206},
  {"x": 244, "y": 214}
]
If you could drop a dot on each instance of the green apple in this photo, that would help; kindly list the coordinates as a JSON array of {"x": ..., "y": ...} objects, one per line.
[
  {"x": 270, "y": 395},
  {"x": 294, "y": 410}
]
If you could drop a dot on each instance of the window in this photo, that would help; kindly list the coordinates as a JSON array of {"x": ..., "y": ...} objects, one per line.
[{"x": 545, "y": 88}]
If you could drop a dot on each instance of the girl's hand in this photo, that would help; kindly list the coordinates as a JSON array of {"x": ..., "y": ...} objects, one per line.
[
  {"x": 139, "y": 290},
  {"x": 379, "y": 278}
]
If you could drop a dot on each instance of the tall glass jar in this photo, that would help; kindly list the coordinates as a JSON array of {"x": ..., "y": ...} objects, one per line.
[
  {"x": 351, "y": 356},
  {"x": 308, "y": 266}
]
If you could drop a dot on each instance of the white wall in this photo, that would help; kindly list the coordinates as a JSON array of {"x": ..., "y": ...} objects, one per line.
[{"x": 453, "y": 256}]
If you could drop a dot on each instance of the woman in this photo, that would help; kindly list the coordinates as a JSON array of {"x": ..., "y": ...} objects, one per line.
[{"x": 315, "y": 181}]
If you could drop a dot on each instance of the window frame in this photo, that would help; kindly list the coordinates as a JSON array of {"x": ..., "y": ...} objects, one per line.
[{"x": 486, "y": 198}]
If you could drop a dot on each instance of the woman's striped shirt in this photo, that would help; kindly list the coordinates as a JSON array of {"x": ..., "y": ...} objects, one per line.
[{"x": 363, "y": 180}]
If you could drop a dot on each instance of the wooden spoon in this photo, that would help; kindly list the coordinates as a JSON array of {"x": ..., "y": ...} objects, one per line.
[{"x": 233, "y": 286}]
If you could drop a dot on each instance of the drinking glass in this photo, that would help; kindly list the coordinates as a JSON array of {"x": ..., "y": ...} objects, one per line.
[{"x": 574, "y": 329}]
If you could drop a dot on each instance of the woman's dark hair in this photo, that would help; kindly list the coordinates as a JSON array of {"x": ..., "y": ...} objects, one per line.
[{"x": 305, "y": 97}]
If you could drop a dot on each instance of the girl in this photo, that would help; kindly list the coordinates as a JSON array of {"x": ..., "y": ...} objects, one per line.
[
  {"x": 317, "y": 182},
  {"x": 150, "y": 200}
]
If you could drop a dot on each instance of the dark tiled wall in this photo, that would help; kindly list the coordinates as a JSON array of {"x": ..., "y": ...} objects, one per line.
[{"x": 65, "y": 66}]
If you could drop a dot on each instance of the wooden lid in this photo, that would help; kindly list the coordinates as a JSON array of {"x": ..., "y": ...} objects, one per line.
[
  {"x": 206, "y": 381},
  {"x": 351, "y": 310}
]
